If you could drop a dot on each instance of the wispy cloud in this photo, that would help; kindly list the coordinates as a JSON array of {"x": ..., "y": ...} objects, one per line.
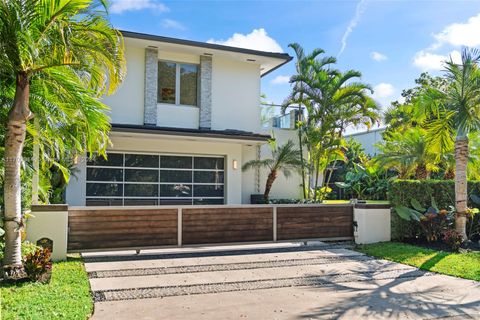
[
  {"x": 280, "y": 80},
  {"x": 258, "y": 39},
  {"x": 172, "y": 24},
  {"x": 360, "y": 9},
  {"x": 377, "y": 56},
  {"x": 120, "y": 6}
]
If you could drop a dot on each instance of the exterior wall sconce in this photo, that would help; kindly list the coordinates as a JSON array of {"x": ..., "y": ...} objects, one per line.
[{"x": 235, "y": 164}]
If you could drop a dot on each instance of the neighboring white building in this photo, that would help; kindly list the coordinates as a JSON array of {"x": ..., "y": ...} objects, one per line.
[
  {"x": 368, "y": 139},
  {"x": 184, "y": 121}
]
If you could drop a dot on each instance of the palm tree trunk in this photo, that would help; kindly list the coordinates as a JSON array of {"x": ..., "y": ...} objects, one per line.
[
  {"x": 461, "y": 159},
  {"x": 268, "y": 185},
  {"x": 421, "y": 172},
  {"x": 317, "y": 173},
  {"x": 14, "y": 140},
  {"x": 300, "y": 145}
]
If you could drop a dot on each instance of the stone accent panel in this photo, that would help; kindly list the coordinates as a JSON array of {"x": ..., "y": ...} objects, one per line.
[
  {"x": 151, "y": 86},
  {"x": 205, "y": 92}
]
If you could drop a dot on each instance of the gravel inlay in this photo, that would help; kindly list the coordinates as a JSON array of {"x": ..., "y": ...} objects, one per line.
[
  {"x": 226, "y": 266},
  {"x": 312, "y": 281},
  {"x": 212, "y": 253}
]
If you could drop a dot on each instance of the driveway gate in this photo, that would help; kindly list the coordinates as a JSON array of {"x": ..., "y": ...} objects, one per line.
[{"x": 94, "y": 228}]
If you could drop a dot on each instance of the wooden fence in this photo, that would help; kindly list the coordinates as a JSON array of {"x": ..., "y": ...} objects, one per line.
[{"x": 96, "y": 228}]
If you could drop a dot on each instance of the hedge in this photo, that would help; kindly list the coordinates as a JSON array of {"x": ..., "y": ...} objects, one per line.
[{"x": 400, "y": 192}]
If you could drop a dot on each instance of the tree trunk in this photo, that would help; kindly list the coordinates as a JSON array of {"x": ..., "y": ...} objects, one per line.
[
  {"x": 317, "y": 174},
  {"x": 14, "y": 140},
  {"x": 300, "y": 144},
  {"x": 461, "y": 160},
  {"x": 268, "y": 186},
  {"x": 421, "y": 172}
]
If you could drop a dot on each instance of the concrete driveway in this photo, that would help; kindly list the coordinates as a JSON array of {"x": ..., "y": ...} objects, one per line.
[{"x": 272, "y": 281}]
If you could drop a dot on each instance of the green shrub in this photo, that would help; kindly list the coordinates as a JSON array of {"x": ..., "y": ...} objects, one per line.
[{"x": 400, "y": 193}]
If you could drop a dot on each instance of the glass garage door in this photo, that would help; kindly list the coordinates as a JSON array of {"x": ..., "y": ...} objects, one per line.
[{"x": 145, "y": 179}]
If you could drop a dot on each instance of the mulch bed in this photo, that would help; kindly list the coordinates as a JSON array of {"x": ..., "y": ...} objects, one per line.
[{"x": 441, "y": 246}]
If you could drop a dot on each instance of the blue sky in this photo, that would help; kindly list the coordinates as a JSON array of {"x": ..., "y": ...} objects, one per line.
[{"x": 390, "y": 42}]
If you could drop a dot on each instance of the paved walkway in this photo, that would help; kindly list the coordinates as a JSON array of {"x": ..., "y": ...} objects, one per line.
[{"x": 272, "y": 281}]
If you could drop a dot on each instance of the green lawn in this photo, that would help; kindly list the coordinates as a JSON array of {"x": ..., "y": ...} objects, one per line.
[
  {"x": 463, "y": 265},
  {"x": 67, "y": 296}
]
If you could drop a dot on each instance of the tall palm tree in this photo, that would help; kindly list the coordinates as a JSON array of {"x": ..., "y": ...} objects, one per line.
[
  {"x": 334, "y": 100},
  {"x": 285, "y": 158},
  {"x": 57, "y": 57},
  {"x": 303, "y": 67},
  {"x": 454, "y": 111},
  {"x": 408, "y": 153}
]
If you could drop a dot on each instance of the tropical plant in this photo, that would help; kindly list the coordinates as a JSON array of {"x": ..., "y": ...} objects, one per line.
[
  {"x": 432, "y": 220},
  {"x": 454, "y": 111},
  {"x": 473, "y": 222},
  {"x": 408, "y": 153},
  {"x": 285, "y": 159},
  {"x": 401, "y": 115},
  {"x": 365, "y": 181},
  {"x": 333, "y": 101},
  {"x": 37, "y": 263},
  {"x": 453, "y": 239},
  {"x": 57, "y": 58},
  {"x": 303, "y": 67}
]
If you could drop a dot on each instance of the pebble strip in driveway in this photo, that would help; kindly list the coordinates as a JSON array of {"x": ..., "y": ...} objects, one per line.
[{"x": 186, "y": 285}]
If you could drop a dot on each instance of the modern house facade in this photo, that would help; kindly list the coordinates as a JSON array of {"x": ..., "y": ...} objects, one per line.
[{"x": 184, "y": 121}]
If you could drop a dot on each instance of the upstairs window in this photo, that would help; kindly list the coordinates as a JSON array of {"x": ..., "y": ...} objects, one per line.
[{"x": 177, "y": 83}]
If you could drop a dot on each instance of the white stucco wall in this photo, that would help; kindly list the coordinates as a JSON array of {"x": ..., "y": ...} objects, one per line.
[
  {"x": 368, "y": 140},
  {"x": 170, "y": 115},
  {"x": 76, "y": 190},
  {"x": 235, "y": 95},
  {"x": 127, "y": 102},
  {"x": 283, "y": 188}
]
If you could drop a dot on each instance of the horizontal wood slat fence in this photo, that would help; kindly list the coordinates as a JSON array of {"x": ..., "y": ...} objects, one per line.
[{"x": 132, "y": 227}]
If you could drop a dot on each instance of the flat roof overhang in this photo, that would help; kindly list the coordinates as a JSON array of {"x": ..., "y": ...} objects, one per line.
[
  {"x": 193, "y": 134},
  {"x": 269, "y": 61}
]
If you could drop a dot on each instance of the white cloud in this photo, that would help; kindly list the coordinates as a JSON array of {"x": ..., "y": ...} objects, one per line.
[
  {"x": 360, "y": 9},
  {"x": 377, "y": 56},
  {"x": 120, "y": 6},
  {"x": 172, "y": 24},
  {"x": 455, "y": 35},
  {"x": 460, "y": 34},
  {"x": 428, "y": 61},
  {"x": 280, "y": 80},
  {"x": 383, "y": 90},
  {"x": 258, "y": 39}
]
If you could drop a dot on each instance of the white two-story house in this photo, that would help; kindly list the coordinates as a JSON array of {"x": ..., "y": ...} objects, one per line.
[{"x": 184, "y": 121}]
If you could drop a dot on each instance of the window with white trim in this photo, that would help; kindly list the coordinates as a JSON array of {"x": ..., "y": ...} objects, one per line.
[
  {"x": 177, "y": 83},
  {"x": 152, "y": 179}
]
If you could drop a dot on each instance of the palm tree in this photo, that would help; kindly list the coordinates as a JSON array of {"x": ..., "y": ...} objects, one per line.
[
  {"x": 333, "y": 101},
  {"x": 303, "y": 67},
  {"x": 285, "y": 158},
  {"x": 408, "y": 153},
  {"x": 56, "y": 59},
  {"x": 454, "y": 111}
]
